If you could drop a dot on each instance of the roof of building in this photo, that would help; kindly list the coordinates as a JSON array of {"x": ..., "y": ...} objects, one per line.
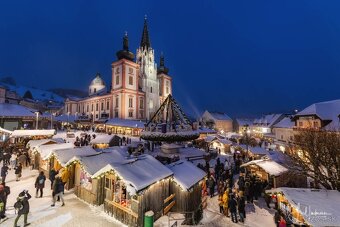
[
  {"x": 102, "y": 138},
  {"x": 219, "y": 116},
  {"x": 125, "y": 123},
  {"x": 318, "y": 207},
  {"x": 286, "y": 122},
  {"x": 14, "y": 110},
  {"x": 138, "y": 173},
  {"x": 47, "y": 150},
  {"x": 66, "y": 118},
  {"x": 328, "y": 110},
  {"x": 270, "y": 166},
  {"x": 268, "y": 120},
  {"x": 145, "y": 41},
  {"x": 97, "y": 80},
  {"x": 36, "y": 143},
  {"x": 28, "y": 133},
  {"x": 64, "y": 155},
  {"x": 255, "y": 150},
  {"x": 244, "y": 122}
]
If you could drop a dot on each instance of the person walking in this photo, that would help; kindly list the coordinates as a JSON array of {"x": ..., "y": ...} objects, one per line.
[
  {"x": 23, "y": 207},
  {"x": 241, "y": 203},
  {"x": 52, "y": 175},
  {"x": 211, "y": 185},
  {"x": 2, "y": 202},
  {"x": 233, "y": 208},
  {"x": 220, "y": 202},
  {"x": 58, "y": 190},
  {"x": 225, "y": 200},
  {"x": 18, "y": 171},
  {"x": 4, "y": 172},
  {"x": 14, "y": 160},
  {"x": 7, "y": 191},
  {"x": 40, "y": 184}
]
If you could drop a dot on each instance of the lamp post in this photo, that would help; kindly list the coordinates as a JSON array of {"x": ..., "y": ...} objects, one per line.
[
  {"x": 68, "y": 118},
  {"x": 37, "y": 119},
  {"x": 247, "y": 131}
]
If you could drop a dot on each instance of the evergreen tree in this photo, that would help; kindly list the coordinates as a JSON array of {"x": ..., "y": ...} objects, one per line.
[{"x": 28, "y": 95}]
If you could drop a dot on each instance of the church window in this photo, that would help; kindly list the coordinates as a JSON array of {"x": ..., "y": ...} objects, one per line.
[
  {"x": 117, "y": 80},
  {"x": 130, "y": 102},
  {"x": 141, "y": 114},
  {"x": 117, "y": 101},
  {"x": 130, "y": 114},
  {"x": 87, "y": 108},
  {"x": 94, "y": 90},
  {"x": 102, "y": 106},
  {"x": 130, "y": 80},
  {"x": 96, "y": 106},
  {"x": 96, "y": 116},
  {"x": 108, "y": 105},
  {"x": 167, "y": 90},
  {"x": 83, "y": 109},
  {"x": 116, "y": 113},
  {"x": 92, "y": 107},
  {"x": 141, "y": 103},
  {"x": 117, "y": 70},
  {"x": 150, "y": 89},
  {"x": 130, "y": 71}
]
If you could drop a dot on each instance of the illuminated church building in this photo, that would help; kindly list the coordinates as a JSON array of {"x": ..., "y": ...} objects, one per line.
[{"x": 138, "y": 87}]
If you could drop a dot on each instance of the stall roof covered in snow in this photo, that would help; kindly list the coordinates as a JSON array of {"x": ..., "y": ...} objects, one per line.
[
  {"x": 329, "y": 110},
  {"x": 139, "y": 172},
  {"x": 92, "y": 164},
  {"x": 271, "y": 167},
  {"x": 285, "y": 123},
  {"x": 125, "y": 123},
  {"x": 46, "y": 150},
  {"x": 36, "y": 143},
  {"x": 204, "y": 130},
  {"x": 255, "y": 150},
  {"x": 186, "y": 174},
  {"x": 318, "y": 207},
  {"x": 14, "y": 110},
  {"x": 27, "y": 133},
  {"x": 64, "y": 155},
  {"x": 102, "y": 138}
]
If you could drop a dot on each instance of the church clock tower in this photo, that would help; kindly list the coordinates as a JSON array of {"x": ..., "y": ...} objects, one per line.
[{"x": 148, "y": 80}]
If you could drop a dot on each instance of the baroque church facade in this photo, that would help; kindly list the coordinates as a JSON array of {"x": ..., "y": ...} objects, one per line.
[{"x": 138, "y": 86}]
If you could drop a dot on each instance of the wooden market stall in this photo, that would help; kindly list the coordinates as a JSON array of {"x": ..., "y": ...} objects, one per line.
[
  {"x": 135, "y": 186},
  {"x": 32, "y": 145},
  {"x": 186, "y": 189},
  {"x": 103, "y": 141},
  {"x": 308, "y": 207}
]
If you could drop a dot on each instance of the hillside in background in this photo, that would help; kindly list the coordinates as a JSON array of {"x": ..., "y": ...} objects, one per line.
[{"x": 65, "y": 93}]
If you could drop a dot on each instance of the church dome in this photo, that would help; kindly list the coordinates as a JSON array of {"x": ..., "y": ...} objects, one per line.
[{"x": 97, "y": 85}]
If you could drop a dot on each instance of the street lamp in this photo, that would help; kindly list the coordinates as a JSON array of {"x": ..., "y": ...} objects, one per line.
[
  {"x": 37, "y": 119},
  {"x": 68, "y": 118}
]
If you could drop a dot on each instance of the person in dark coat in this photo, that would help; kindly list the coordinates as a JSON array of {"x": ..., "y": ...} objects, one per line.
[
  {"x": 2, "y": 202},
  {"x": 241, "y": 203},
  {"x": 4, "y": 172},
  {"x": 52, "y": 175},
  {"x": 18, "y": 171},
  {"x": 232, "y": 204},
  {"x": 40, "y": 184},
  {"x": 211, "y": 185},
  {"x": 58, "y": 190},
  {"x": 23, "y": 207}
]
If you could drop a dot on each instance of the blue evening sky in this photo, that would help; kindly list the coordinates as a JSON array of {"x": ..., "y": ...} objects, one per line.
[{"x": 240, "y": 57}]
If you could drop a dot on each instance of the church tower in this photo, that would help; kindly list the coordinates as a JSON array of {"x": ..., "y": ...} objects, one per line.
[{"x": 148, "y": 80}]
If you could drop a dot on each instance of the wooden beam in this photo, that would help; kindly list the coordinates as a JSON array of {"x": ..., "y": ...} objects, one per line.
[
  {"x": 167, "y": 208},
  {"x": 169, "y": 198}
]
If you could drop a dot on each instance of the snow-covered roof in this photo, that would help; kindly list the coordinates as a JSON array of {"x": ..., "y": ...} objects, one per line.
[
  {"x": 243, "y": 122},
  {"x": 204, "y": 130},
  {"x": 5, "y": 131},
  {"x": 268, "y": 120},
  {"x": 328, "y": 110},
  {"x": 186, "y": 174},
  {"x": 27, "y": 133},
  {"x": 36, "y": 143},
  {"x": 14, "y": 110},
  {"x": 220, "y": 116},
  {"x": 255, "y": 150},
  {"x": 271, "y": 167},
  {"x": 139, "y": 172},
  {"x": 286, "y": 122},
  {"x": 317, "y": 206},
  {"x": 92, "y": 164},
  {"x": 102, "y": 138},
  {"x": 46, "y": 150},
  {"x": 65, "y": 118},
  {"x": 125, "y": 123},
  {"x": 64, "y": 155},
  {"x": 210, "y": 138}
]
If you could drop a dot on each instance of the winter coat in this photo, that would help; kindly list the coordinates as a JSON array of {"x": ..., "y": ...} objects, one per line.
[
  {"x": 232, "y": 205},
  {"x": 65, "y": 175},
  {"x": 18, "y": 169},
  {"x": 52, "y": 175},
  {"x": 4, "y": 171},
  {"x": 22, "y": 159},
  {"x": 225, "y": 200},
  {"x": 25, "y": 204},
  {"x": 58, "y": 186},
  {"x": 241, "y": 204},
  {"x": 40, "y": 181},
  {"x": 220, "y": 200},
  {"x": 211, "y": 182}
]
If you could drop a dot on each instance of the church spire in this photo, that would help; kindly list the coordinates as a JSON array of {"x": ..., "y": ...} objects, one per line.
[
  {"x": 145, "y": 42},
  {"x": 162, "y": 68},
  {"x": 125, "y": 53}
]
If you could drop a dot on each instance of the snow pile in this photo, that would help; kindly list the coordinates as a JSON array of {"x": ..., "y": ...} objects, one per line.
[
  {"x": 27, "y": 133},
  {"x": 186, "y": 174},
  {"x": 318, "y": 207},
  {"x": 270, "y": 166},
  {"x": 46, "y": 150},
  {"x": 139, "y": 172}
]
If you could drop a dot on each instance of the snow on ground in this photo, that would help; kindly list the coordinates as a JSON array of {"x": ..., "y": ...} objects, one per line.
[{"x": 74, "y": 213}]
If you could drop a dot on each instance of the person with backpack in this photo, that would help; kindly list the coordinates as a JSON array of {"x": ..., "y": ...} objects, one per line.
[
  {"x": 58, "y": 191},
  {"x": 18, "y": 171},
  {"x": 23, "y": 207},
  {"x": 40, "y": 184}
]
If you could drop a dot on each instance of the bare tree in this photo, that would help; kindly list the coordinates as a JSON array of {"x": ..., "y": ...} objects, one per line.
[{"x": 316, "y": 153}]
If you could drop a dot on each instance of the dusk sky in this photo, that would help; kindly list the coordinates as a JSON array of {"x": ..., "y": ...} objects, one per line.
[{"x": 240, "y": 57}]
